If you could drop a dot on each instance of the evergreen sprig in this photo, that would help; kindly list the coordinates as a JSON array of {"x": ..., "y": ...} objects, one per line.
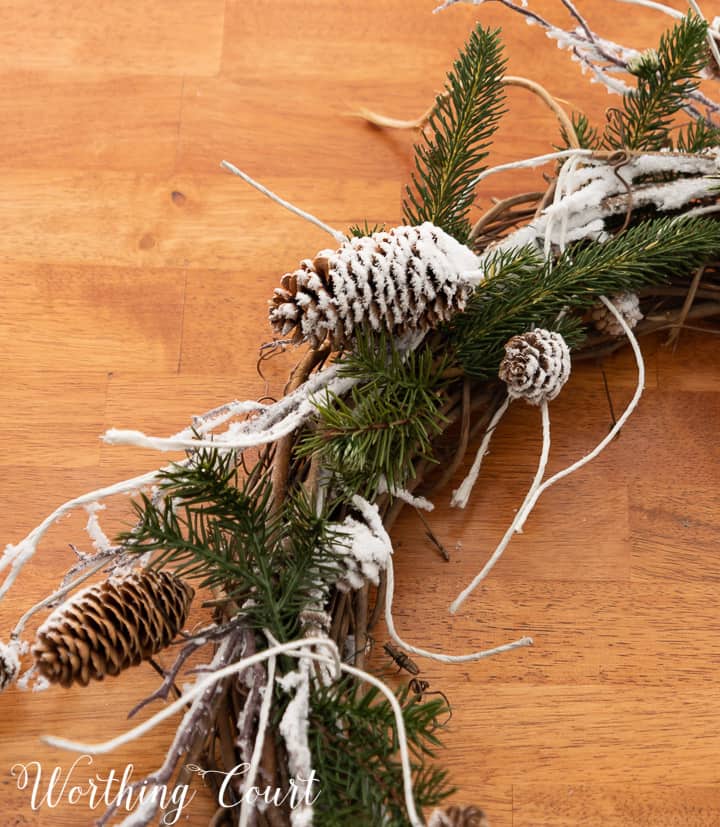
[
  {"x": 222, "y": 531},
  {"x": 522, "y": 291},
  {"x": 387, "y": 421},
  {"x": 461, "y": 126},
  {"x": 587, "y": 135},
  {"x": 365, "y": 229},
  {"x": 697, "y": 135},
  {"x": 355, "y": 755},
  {"x": 664, "y": 80}
]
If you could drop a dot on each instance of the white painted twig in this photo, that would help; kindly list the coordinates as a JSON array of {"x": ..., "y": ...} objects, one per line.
[
  {"x": 712, "y": 208},
  {"x": 562, "y": 189},
  {"x": 536, "y": 161},
  {"x": 437, "y": 656},
  {"x": 711, "y": 35},
  {"x": 497, "y": 554},
  {"x": 17, "y": 555},
  {"x": 372, "y": 518},
  {"x": 415, "y": 819},
  {"x": 527, "y": 507},
  {"x": 678, "y": 15},
  {"x": 263, "y": 717},
  {"x": 461, "y": 495},
  {"x": 651, "y": 4},
  {"x": 336, "y": 234}
]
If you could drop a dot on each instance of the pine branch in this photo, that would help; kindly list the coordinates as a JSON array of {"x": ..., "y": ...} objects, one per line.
[
  {"x": 387, "y": 422},
  {"x": 697, "y": 136},
  {"x": 461, "y": 125},
  {"x": 354, "y": 747},
  {"x": 664, "y": 80},
  {"x": 522, "y": 292},
  {"x": 587, "y": 135},
  {"x": 221, "y": 531},
  {"x": 361, "y": 231}
]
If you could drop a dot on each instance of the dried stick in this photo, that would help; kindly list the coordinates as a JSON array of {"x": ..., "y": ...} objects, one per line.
[
  {"x": 283, "y": 447},
  {"x": 687, "y": 305},
  {"x": 499, "y": 209},
  {"x": 361, "y": 625},
  {"x": 509, "y": 80}
]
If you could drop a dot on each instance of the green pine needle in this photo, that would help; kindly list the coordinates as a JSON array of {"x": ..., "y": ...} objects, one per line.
[
  {"x": 461, "y": 125},
  {"x": 387, "y": 422},
  {"x": 354, "y": 750},
  {"x": 587, "y": 135},
  {"x": 213, "y": 527},
  {"x": 522, "y": 291},
  {"x": 697, "y": 136},
  {"x": 360, "y": 231},
  {"x": 663, "y": 83}
]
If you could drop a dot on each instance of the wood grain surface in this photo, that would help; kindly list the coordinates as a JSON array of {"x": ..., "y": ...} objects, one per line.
[{"x": 134, "y": 275}]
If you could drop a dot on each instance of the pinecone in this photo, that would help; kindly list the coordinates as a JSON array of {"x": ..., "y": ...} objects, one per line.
[
  {"x": 459, "y": 817},
  {"x": 628, "y": 304},
  {"x": 536, "y": 366},
  {"x": 9, "y": 664},
  {"x": 407, "y": 279},
  {"x": 112, "y": 625}
]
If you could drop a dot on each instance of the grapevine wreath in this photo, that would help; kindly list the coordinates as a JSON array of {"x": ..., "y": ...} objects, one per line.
[{"x": 412, "y": 341}]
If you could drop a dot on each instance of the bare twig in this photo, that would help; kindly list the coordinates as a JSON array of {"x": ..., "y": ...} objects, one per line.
[{"x": 674, "y": 335}]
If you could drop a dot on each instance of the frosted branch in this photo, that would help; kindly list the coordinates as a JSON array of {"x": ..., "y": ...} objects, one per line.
[
  {"x": 594, "y": 192},
  {"x": 16, "y": 556},
  {"x": 595, "y": 52},
  {"x": 276, "y": 421}
]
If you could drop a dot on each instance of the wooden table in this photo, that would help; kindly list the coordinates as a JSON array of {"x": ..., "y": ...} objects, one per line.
[{"x": 134, "y": 275}]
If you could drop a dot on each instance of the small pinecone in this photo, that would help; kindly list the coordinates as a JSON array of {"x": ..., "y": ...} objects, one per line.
[
  {"x": 628, "y": 304},
  {"x": 536, "y": 365},
  {"x": 112, "y": 625},
  {"x": 9, "y": 664},
  {"x": 459, "y": 817},
  {"x": 407, "y": 279}
]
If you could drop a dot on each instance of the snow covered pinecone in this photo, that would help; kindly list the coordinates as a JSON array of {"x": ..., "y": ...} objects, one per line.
[
  {"x": 627, "y": 304},
  {"x": 458, "y": 817},
  {"x": 536, "y": 365},
  {"x": 110, "y": 626},
  {"x": 407, "y": 279},
  {"x": 9, "y": 664}
]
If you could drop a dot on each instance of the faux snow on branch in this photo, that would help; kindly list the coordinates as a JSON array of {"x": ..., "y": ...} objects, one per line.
[
  {"x": 604, "y": 58},
  {"x": 605, "y": 186},
  {"x": 364, "y": 551}
]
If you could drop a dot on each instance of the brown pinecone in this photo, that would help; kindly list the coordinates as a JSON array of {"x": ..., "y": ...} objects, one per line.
[
  {"x": 112, "y": 625},
  {"x": 459, "y": 817},
  {"x": 407, "y": 279},
  {"x": 536, "y": 366},
  {"x": 627, "y": 304}
]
